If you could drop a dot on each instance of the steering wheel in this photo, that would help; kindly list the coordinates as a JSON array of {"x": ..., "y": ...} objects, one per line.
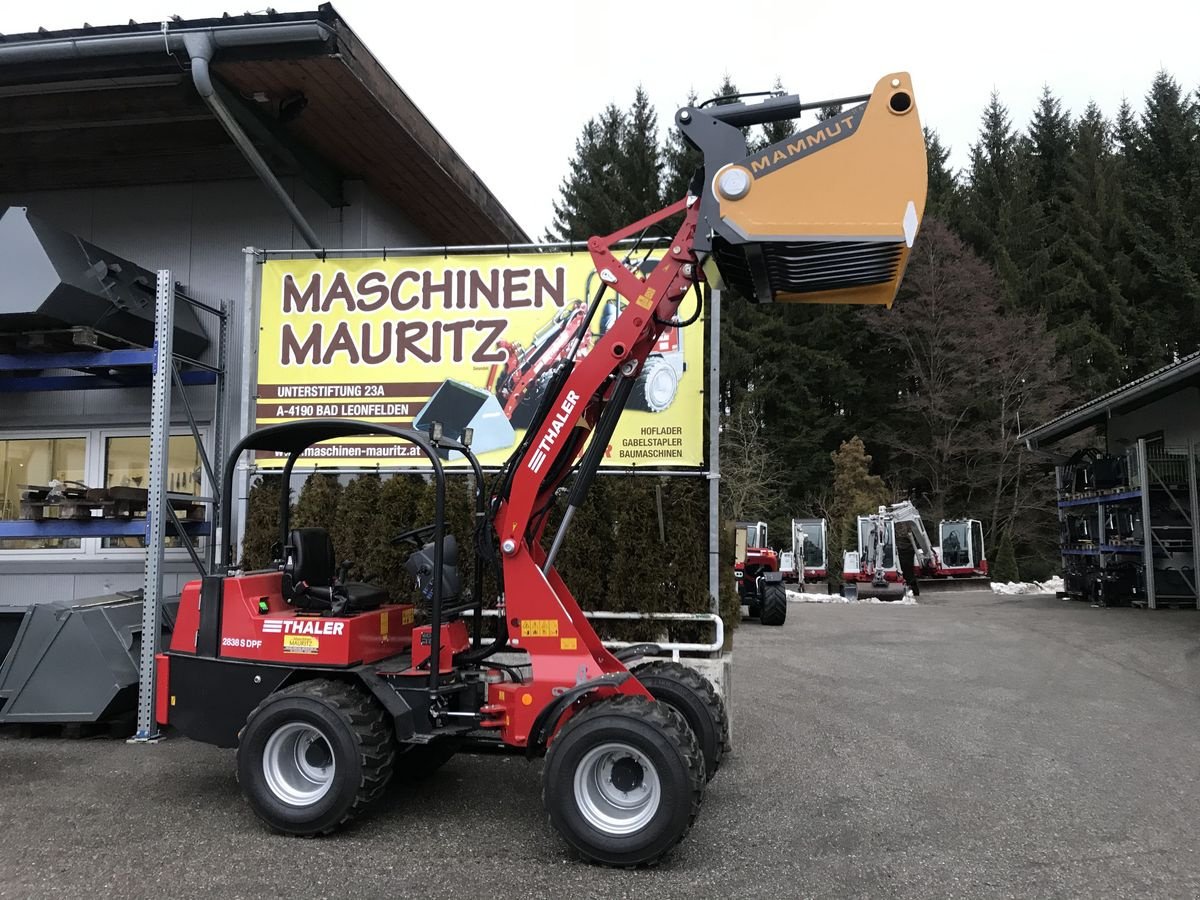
[{"x": 418, "y": 537}]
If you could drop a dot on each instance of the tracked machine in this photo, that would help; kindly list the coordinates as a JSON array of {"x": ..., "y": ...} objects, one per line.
[
  {"x": 329, "y": 688},
  {"x": 881, "y": 568},
  {"x": 806, "y": 564}
]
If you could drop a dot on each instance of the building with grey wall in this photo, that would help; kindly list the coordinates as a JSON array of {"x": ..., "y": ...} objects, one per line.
[
  {"x": 176, "y": 145},
  {"x": 1128, "y": 502}
]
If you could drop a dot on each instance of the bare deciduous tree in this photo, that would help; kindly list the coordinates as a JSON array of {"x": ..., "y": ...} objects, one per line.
[{"x": 751, "y": 476}]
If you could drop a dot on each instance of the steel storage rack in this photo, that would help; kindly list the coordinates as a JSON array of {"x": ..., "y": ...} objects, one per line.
[
  {"x": 1130, "y": 526},
  {"x": 35, "y": 669}
]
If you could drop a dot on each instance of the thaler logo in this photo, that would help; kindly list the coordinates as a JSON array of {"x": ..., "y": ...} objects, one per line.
[
  {"x": 546, "y": 444},
  {"x": 302, "y": 626}
]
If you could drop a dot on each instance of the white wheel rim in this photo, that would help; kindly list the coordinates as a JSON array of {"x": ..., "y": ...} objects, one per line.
[
  {"x": 617, "y": 789},
  {"x": 298, "y": 764},
  {"x": 661, "y": 385}
]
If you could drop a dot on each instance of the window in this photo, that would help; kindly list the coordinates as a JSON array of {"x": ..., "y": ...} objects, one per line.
[
  {"x": 126, "y": 464},
  {"x": 34, "y": 463},
  {"x": 93, "y": 458},
  {"x": 754, "y": 536},
  {"x": 866, "y": 537},
  {"x": 956, "y": 544}
]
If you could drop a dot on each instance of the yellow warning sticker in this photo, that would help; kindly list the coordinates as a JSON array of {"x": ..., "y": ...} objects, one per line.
[
  {"x": 539, "y": 628},
  {"x": 383, "y": 624},
  {"x": 646, "y": 300},
  {"x": 567, "y": 643},
  {"x": 300, "y": 643},
  {"x": 406, "y": 617}
]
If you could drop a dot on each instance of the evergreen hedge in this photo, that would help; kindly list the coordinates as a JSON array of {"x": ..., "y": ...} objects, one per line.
[{"x": 614, "y": 558}]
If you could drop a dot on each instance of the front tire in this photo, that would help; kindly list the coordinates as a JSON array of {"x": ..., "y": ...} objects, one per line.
[
  {"x": 693, "y": 696},
  {"x": 623, "y": 781},
  {"x": 774, "y": 604},
  {"x": 314, "y": 755}
]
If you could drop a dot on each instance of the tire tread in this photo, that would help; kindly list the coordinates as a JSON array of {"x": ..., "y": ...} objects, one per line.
[
  {"x": 367, "y": 723},
  {"x": 667, "y": 720},
  {"x": 703, "y": 688},
  {"x": 774, "y": 605}
]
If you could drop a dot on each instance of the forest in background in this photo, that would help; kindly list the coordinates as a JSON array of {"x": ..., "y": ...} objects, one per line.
[{"x": 1062, "y": 261}]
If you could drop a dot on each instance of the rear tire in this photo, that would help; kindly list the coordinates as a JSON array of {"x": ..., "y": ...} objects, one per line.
[
  {"x": 313, "y": 756},
  {"x": 623, "y": 781},
  {"x": 774, "y": 604},
  {"x": 693, "y": 696}
]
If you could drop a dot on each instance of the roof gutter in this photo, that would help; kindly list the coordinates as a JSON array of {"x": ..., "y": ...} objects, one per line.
[
  {"x": 164, "y": 41},
  {"x": 200, "y": 44}
]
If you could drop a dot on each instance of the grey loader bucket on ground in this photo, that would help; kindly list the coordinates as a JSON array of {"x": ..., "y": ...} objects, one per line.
[{"x": 72, "y": 660}]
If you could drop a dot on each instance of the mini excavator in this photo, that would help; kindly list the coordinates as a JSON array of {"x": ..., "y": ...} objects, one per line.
[{"x": 329, "y": 687}]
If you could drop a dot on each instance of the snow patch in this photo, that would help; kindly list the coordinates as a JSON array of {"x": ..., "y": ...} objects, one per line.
[
  {"x": 1051, "y": 586},
  {"x": 800, "y": 597}
]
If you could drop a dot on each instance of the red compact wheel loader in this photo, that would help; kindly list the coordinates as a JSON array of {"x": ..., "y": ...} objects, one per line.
[{"x": 328, "y": 688}]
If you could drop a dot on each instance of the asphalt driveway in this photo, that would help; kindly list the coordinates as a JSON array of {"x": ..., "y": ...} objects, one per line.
[{"x": 969, "y": 746}]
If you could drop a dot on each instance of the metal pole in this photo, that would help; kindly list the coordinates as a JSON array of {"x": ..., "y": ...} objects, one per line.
[
  {"x": 1147, "y": 531},
  {"x": 1062, "y": 528},
  {"x": 220, "y": 427},
  {"x": 1194, "y": 513},
  {"x": 160, "y": 430},
  {"x": 246, "y": 383},
  {"x": 714, "y": 453}
]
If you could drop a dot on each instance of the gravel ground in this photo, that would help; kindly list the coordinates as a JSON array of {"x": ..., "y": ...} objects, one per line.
[{"x": 971, "y": 746}]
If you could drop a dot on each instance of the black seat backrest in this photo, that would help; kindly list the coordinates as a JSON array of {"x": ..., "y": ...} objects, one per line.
[
  {"x": 308, "y": 559},
  {"x": 420, "y": 565}
]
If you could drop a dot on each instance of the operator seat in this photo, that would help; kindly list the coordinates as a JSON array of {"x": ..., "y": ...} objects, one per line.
[
  {"x": 420, "y": 566},
  {"x": 309, "y": 577}
]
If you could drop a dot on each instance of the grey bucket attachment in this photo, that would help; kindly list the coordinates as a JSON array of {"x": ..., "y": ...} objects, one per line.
[
  {"x": 55, "y": 281},
  {"x": 955, "y": 585},
  {"x": 72, "y": 660},
  {"x": 889, "y": 592}
]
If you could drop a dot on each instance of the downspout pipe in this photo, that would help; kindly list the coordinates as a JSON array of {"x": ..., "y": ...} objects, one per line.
[{"x": 200, "y": 48}]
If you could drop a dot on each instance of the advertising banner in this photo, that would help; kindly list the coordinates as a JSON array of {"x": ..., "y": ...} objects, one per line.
[{"x": 467, "y": 341}]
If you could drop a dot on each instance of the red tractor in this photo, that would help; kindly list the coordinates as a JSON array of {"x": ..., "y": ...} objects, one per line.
[
  {"x": 328, "y": 687},
  {"x": 760, "y": 583}
]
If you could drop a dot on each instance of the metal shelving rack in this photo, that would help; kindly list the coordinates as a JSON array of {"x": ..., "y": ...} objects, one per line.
[
  {"x": 1161, "y": 479},
  {"x": 163, "y": 370}
]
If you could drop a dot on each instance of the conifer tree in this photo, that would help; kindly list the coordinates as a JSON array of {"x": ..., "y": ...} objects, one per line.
[
  {"x": 261, "y": 543},
  {"x": 641, "y": 163},
  {"x": 355, "y": 529},
  {"x": 680, "y": 161},
  {"x": 773, "y": 132},
  {"x": 991, "y": 186},
  {"x": 1164, "y": 205},
  {"x": 942, "y": 184},
  {"x": 591, "y": 195},
  {"x": 855, "y": 492},
  {"x": 317, "y": 504}
]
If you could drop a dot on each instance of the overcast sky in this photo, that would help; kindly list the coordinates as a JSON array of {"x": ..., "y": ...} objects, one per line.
[{"x": 510, "y": 84}]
